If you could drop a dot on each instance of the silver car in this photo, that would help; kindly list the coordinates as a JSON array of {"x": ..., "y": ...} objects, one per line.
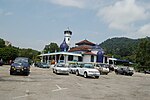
[{"x": 73, "y": 68}]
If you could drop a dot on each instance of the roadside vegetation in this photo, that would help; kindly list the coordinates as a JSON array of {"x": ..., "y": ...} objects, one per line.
[
  {"x": 9, "y": 53},
  {"x": 136, "y": 51}
]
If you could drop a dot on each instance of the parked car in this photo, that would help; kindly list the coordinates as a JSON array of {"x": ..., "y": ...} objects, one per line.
[
  {"x": 20, "y": 65},
  {"x": 102, "y": 68},
  {"x": 111, "y": 67},
  {"x": 43, "y": 65},
  {"x": 37, "y": 64},
  {"x": 1, "y": 63},
  {"x": 73, "y": 68},
  {"x": 124, "y": 71},
  {"x": 87, "y": 70},
  {"x": 147, "y": 71},
  {"x": 61, "y": 69}
]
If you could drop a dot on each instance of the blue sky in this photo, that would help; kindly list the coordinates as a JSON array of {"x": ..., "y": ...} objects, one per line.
[{"x": 35, "y": 23}]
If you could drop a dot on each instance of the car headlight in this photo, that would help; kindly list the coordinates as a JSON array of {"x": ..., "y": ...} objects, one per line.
[
  {"x": 12, "y": 67},
  {"x": 24, "y": 68}
]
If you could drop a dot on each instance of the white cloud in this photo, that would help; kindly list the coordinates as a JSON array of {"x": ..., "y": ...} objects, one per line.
[
  {"x": 4, "y": 13},
  {"x": 8, "y": 13},
  {"x": 123, "y": 14},
  {"x": 144, "y": 31},
  {"x": 70, "y": 3}
]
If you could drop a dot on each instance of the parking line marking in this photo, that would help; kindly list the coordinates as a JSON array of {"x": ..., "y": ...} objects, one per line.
[
  {"x": 79, "y": 84},
  {"x": 20, "y": 96},
  {"x": 59, "y": 88},
  {"x": 26, "y": 95}
]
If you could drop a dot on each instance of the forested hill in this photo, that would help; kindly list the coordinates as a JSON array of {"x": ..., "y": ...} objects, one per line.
[{"x": 120, "y": 46}]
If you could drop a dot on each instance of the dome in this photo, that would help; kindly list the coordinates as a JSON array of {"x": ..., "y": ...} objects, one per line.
[
  {"x": 100, "y": 55},
  {"x": 64, "y": 46}
]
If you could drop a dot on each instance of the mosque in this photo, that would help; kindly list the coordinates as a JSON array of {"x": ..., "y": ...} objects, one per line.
[{"x": 84, "y": 51}]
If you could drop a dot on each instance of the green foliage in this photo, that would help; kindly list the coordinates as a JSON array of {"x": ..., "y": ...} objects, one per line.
[
  {"x": 8, "y": 53},
  {"x": 134, "y": 50},
  {"x": 52, "y": 47},
  {"x": 2, "y": 43},
  {"x": 143, "y": 53},
  {"x": 121, "y": 47},
  {"x": 32, "y": 54}
]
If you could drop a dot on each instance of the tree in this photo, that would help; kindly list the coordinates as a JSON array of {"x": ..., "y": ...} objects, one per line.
[
  {"x": 52, "y": 47},
  {"x": 8, "y": 53},
  {"x": 30, "y": 53},
  {"x": 143, "y": 53},
  {"x": 122, "y": 48},
  {"x": 2, "y": 43}
]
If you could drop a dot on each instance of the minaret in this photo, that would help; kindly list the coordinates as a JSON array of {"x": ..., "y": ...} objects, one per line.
[{"x": 67, "y": 37}]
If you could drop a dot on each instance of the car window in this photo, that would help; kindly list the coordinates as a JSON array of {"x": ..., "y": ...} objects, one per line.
[{"x": 88, "y": 66}]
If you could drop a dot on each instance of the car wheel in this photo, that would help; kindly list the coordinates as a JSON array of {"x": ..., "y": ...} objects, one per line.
[
  {"x": 71, "y": 72},
  {"x": 77, "y": 73},
  {"x": 85, "y": 74},
  {"x": 11, "y": 73},
  {"x": 131, "y": 74},
  {"x": 97, "y": 77},
  {"x": 26, "y": 74},
  {"x": 116, "y": 72},
  {"x": 53, "y": 71}
]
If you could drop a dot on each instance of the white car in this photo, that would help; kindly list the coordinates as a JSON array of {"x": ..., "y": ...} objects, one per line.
[
  {"x": 73, "y": 68},
  {"x": 61, "y": 69},
  {"x": 87, "y": 70},
  {"x": 102, "y": 68}
]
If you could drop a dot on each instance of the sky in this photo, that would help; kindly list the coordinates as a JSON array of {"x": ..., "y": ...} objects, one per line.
[{"x": 36, "y": 23}]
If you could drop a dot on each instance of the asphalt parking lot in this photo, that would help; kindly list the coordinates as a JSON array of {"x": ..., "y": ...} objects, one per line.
[{"x": 42, "y": 84}]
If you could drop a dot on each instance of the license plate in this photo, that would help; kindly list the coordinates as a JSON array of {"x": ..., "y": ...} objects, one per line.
[{"x": 18, "y": 70}]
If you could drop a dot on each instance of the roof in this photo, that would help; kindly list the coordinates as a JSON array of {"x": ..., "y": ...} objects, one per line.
[
  {"x": 85, "y": 42},
  {"x": 80, "y": 48},
  {"x": 59, "y": 53},
  {"x": 89, "y": 53}
]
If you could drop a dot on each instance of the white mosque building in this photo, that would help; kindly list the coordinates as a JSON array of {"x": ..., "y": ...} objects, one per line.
[{"x": 84, "y": 51}]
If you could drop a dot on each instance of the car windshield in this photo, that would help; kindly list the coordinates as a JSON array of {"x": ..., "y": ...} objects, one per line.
[
  {"x": 88, "y": 66},
  {"x": 44, "y": 63},
  {"x": 61, "y": 65},
  {"x": 73, "y": 66},
  {"x": 21, "y": 60}
]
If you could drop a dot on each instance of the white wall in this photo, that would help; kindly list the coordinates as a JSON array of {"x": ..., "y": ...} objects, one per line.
[
  {"x": 95, "y": 58},
  {"x": 87, "y": 58},
  {"x": 75, "y": 58}
]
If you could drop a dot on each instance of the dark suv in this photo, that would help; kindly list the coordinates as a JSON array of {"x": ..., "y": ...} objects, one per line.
[
  {"x": 20, "y": 65},
  {"x": 124, "y": 71}
]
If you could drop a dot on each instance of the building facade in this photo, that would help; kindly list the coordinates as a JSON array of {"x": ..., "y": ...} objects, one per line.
[{"x": 84, "y": 51}]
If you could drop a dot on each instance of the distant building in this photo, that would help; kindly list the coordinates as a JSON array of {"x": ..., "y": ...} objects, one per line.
[{"x": 84, "y": 51}]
